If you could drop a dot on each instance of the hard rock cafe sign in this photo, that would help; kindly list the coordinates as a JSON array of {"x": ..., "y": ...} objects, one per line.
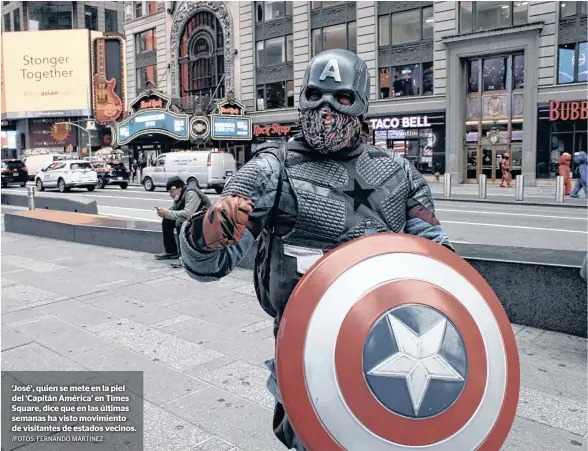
[{"x": 568, "y": 111}]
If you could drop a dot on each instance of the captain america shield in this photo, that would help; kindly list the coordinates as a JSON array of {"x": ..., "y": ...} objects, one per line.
[{"x": 393, "y": 342}]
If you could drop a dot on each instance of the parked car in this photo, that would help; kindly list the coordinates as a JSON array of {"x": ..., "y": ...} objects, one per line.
[
  {"x": 14, "y": 171},
  {"x": 209, "y": 169},
  {"x": 35, "y": 163},
  {"x": 111, "y": 172},
  {"x": 65, "y": 175}
]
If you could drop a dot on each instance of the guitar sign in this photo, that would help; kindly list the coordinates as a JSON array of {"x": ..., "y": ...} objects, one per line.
[{"x": 107, "y": 104}]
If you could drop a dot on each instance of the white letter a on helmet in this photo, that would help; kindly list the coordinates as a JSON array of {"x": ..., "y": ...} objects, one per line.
[{"x": 331, "y": 70}]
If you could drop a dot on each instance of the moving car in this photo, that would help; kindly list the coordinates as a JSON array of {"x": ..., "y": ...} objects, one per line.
[
  {"x": 65, "y": 175},
  {"x": 210, "y": 169},
  {"x": 14, "y": 171},
  {"x": 111, "y": 172}
]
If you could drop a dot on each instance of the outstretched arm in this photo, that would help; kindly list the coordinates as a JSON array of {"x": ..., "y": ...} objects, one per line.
[
  {"x": 213, "y": 242},
  {"x": 420, "y": 210}
]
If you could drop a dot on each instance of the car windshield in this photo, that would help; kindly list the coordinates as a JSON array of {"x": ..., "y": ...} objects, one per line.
[
  {"x": 80, "y": 166},
  {"x": 117, "y": 165},
  {"x": 13, "y": 164}
]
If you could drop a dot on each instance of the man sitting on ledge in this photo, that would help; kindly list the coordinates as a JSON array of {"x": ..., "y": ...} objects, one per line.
[{"x": 188, "y": 199}]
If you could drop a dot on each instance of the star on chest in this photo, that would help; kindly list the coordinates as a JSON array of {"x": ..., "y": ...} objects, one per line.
[{"x": 359, "y": 192}]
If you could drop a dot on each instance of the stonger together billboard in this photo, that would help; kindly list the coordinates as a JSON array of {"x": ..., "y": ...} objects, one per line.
[{"x": 46, "y": 71}]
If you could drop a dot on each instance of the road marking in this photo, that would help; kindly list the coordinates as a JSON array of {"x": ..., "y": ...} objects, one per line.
[
  {"x": 513, "y": 227},
  {"x": 512, "y": 214}
]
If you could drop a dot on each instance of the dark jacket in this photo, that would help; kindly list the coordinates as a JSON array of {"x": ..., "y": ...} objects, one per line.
[{"x": 190, "y": 200}]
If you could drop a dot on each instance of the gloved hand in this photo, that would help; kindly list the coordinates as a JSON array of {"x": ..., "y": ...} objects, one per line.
[{"x": 223, "y": 224}]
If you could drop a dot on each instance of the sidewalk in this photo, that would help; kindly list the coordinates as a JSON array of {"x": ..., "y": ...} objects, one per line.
[
  {"x": 533, "y": 195},
  {"x": 202, "y": 349}
]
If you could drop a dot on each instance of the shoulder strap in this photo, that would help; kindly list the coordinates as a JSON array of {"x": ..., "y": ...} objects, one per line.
[{"x": 279, "y": 151}]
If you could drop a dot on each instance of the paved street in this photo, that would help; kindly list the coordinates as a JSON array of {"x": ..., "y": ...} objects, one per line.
[
  {"x": 469, "y": 222},
  {"x": 68, "y": 306}
]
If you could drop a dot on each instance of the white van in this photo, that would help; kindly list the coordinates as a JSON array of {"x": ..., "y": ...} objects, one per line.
[
  {"x": 210, "y": 170},
  {"x": 35, "y": 163}
]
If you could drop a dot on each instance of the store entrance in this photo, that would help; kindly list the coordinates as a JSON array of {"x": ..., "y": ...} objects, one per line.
[{"x": 485, "y": 160}]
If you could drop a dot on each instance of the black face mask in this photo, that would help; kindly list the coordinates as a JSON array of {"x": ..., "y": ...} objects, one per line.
[{"x": 328, "y": 131}]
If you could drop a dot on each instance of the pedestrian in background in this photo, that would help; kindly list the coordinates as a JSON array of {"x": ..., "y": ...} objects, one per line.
[
  {"x": 188, "y": 199},
  {"x": 505, "y": 168},
  {"x": 565, "y": 160},
  {"x": 581, "y": 160}
]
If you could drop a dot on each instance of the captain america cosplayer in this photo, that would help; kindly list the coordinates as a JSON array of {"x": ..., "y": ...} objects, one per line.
[{"x": 301, "y": 199}]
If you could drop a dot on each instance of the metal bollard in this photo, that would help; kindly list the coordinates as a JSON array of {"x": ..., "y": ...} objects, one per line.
[
  {"x": 559, "y": 189},
  {"x": 138, "y": 175},
  {"x": 482, "y": 185},
  {"x": 31, "y": 197},
  {"x": 520, "y": 189},
  {"x": 447, "y": 184}
]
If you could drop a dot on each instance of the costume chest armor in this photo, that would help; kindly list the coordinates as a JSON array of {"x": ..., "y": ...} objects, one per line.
[{"x": 325, "y": 190}]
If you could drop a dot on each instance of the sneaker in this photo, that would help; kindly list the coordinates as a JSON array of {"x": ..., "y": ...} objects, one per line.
[
  {"x": 177, "y": 265},
  {"x": 166, "y": 256},
  {"x": 574, "y": 196}
]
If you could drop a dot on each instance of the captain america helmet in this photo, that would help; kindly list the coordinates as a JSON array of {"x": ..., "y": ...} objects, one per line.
[{"x": 338, "y": 78}]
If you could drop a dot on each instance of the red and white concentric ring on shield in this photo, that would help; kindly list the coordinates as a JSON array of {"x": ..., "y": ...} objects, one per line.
[{"x": 321, "y": 406}]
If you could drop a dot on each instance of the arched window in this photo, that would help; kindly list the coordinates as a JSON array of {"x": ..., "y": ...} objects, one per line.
[{"x": 202, "y": 61}]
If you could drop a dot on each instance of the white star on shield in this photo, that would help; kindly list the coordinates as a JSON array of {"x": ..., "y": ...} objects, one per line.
[{"x": 417, "y": 360}]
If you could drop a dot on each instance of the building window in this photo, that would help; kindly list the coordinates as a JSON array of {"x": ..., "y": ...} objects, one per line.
[
  {"x": 342, "y": 36},
  {"x": 316, "y": 5},
  {"x": 110, "y": 21},
  {"x": 572, "y": 49},
  {"x": 138, "y": 9},
  {"x": 275, "y": 95},
  {"x": 478, "y": 16},
  {"x": 494, "y": 74},
  {"x": 50, "y": 16},
  {"x": 267, "y": 11},
  {"x": 16, "y": 16},
  {"x": 274, "y": 51},
  {"x": 7, "y": 22},
  {"x": 201, "y": 72},
  {"x": 146, "y": 41},
  {"x": 145, "y": 74},
  {"x": 91, "y": 17},
  {"x": 398, "y": 29},
  {"x": 151, "y": 7},
  {"x": 408, "y": 80}
]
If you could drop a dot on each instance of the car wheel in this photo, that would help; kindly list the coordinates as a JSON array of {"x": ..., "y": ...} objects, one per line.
[
  {"x": 23, "y": 184},
  {"x": 61, "y": 186},
  {"x": 148, "y": 184},
  {"x": 123, "y": 185},
  {"x": 218, "y": 189},
  {"x": 40, "y": 186},
  {"x": 91, "y": 188},
  {"x": 190, "y": 180},
  {"x": 100, "y": 184}
]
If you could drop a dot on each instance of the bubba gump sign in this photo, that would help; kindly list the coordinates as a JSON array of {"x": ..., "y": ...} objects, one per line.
[
  {"x": 568, "y": 111},
  {"x": 271, "y": 130}
]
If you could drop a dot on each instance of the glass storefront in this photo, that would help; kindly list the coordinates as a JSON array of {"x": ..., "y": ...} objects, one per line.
[
  {"x": 420, "y": 139},
  {"x": 561, "y": 128},
  {"x": 494, "y": 115}
]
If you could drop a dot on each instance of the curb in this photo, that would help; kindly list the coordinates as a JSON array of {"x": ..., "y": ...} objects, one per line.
[{"x": 509, "y": 202}]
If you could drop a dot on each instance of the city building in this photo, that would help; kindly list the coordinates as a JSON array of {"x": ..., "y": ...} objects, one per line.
[{"x": 48, "y": 79}]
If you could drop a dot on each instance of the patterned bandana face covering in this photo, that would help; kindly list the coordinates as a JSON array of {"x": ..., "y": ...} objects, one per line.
[{"x": 329, "y": 131}]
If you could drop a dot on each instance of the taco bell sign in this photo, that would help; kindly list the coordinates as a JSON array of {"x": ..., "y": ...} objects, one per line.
[{"x": 400, "y": 122}]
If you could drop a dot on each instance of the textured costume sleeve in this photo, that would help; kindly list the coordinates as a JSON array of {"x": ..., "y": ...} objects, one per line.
[
  {"x": 420, "y": 210},
  {"x": 190, "y": 207},
  {"x": 258, "y": 181}
]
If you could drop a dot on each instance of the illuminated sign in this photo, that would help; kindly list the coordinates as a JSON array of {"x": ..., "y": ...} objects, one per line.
[
  {"x": 400, "y": 122},
  {"x": 568, "y": 111},
  {"x": 231, "y": 128},
  {"x": 154, "y": 121},
  {"x": 271, "y": 130}
]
